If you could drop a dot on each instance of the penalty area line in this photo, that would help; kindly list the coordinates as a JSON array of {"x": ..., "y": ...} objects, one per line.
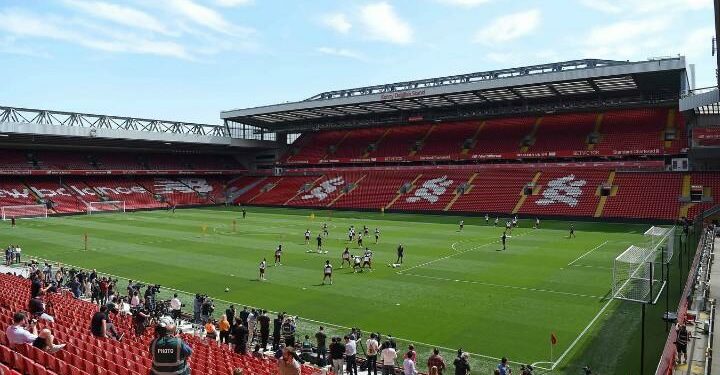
[
  {"x": 483, "y": 283},
  {"x": 454, "y": 254},
  {"x": 587, "y": 253}
]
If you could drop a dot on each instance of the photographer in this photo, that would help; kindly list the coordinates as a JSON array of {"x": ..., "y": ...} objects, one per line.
[
  {"x": 18, "y": 333},
  {"x": 141, "y": 318},
  {"x": 207, "y": 310},
  {"x": 169, "y": 353},
  {"x": 197, "y": 305},
  {"x": 288, "y": 331}
]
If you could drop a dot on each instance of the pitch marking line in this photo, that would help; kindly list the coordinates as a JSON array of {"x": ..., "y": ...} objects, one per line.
[
  {"x": 507, "y": 286},
  {"x": 587, "y": 253},
  {"x": 301, "y": 318},
  {"x": 452, "y": 255}
]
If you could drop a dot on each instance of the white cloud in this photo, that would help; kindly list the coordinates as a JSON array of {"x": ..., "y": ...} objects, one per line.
[
  {"x": 119, "y": 14},
  {"x": 605, "y": 6},
  {"x": 464, "y": 3},
  {"x": 337, "y": 22},
  {"x": 629, "y": 39},
  {"x": 206, "y": 17},
  {"x": 509, "y": 27},
  {"x": 232, "y": 3},
  {"x": 625, "y": 31},
  {"x": 341, "y": 52},
  {"x": 383, "y": 24},
  {"x": 22, "y": 24},
  {"x": 698, "y": 43}
]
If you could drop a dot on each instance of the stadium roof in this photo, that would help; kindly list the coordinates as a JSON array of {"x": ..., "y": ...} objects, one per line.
[{"x": 559, "y": 82}]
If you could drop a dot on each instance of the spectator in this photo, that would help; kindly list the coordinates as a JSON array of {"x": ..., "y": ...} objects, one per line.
[
  {"x": 387, "y": 358},
  {"x": 197, "y": 307},
  {"x": 287, "y": 365},
  {"x": 244, "y": 315},
  {"x": 337, "y": 349},
  {"x": 462, "y": 367},
  {"x": 230, "y": 313},
  {"x": 251, "y": 320},
  {"x": 433, "y": 371},
  {"x": 503, "y": 367},
  {"x": 237, "y": 371},
  {"x": 224, "y": 326},
  {"x": 18, "y": 333},
  {"x": 169, "y": 353},
  {"x": 413, "y": 353},
  {"x": 257, "y": 353},
  {"x": 264, "y": 321},
  {"x": 135, "y": 300},
  {"x": 36, "y": 307},
  {"x": 277, "y": 327},
  {"x": 206, "y": 310},
  {"x": 74, "y": 286},
  {"x": 140, "y": 319},
  {"x": 37, "y": 284},
  {"x": 210, "y": 331},
  {"x": 681, "y": 342},
  {"x": 46, "y": 341},
  {"x": 350, "y": 355},
  {"x": 320, "y": 339},
  {"x": 175, "y": 308},
  {"x": 288, "y": 331},
  {"x": 372, "y": 353},
  {"x": 18, "y": 252},
  {"x": 240, "y": 336},
  {"x": 100, "y": 327},
  {"x": 435, "y": 360},
  {"x": 409, "y": 364}
]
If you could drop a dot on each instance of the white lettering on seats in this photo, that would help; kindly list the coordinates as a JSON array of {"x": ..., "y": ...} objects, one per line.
[
  {"x": 431, "y": 190},
  {"x": 562, "y": 190},
  {"x": 326, "y": 188}
]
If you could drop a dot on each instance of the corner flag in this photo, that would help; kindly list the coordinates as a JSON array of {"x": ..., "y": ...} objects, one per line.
[{"x": 553, "y": 339}]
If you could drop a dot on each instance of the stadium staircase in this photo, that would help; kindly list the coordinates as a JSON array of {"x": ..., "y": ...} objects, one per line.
[
  {"x": 409, "y": 188},
  {"x": 524, "y": 196},
  {"x": 603, "y": 198},
  {"x": 85, "y": 354},
  {"x": 529, "y": 139},
  {"x": 459, "y": 193},
  {"x": 421, "y": 142},
  {"x": 595, "y": 132}
]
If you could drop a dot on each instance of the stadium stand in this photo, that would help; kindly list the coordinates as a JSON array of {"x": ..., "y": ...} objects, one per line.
[{"x": 86, "y": 354}]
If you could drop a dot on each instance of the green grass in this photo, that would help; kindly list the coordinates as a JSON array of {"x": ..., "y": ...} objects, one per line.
[{"x": 456, "y": 289}]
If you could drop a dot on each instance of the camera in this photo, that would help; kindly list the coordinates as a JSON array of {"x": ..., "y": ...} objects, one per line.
[
  {"x": 526, "y": 370},
  {"x": 587, "y": 370}
]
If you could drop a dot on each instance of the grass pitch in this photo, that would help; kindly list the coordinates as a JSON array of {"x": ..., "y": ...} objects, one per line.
[{"x": 455, "y": 289}]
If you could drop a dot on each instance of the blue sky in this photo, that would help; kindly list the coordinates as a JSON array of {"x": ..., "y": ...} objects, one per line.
[{"x": 189, "y": 59}]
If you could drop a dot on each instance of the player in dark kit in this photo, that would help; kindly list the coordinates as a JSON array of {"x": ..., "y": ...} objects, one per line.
[
  {"x": 400, "y": 254},
  {"x": 325, "y": 230},
  {"x": 360, "y": 236},
  {"x": 504, "y": 238},
  {"x": 462, "y": 224},
  {"x": 244, "y": 213},
  {"x": 377, "y": 235},
  {"x": 572, "y": 231},
  {"x": 278, "y": 254},
  {"x": 319, "y": 243}
]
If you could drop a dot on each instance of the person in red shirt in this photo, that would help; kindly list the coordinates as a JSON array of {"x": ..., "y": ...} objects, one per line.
[{"x": 435, "y": 360}]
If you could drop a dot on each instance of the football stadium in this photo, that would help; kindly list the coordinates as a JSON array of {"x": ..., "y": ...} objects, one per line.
[{"x": 554, "y": 218}]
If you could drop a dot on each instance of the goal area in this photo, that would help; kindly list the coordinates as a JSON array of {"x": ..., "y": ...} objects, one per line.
[
  {"x": 30, "y": 211},
  {"x": 106, "y": 206}
]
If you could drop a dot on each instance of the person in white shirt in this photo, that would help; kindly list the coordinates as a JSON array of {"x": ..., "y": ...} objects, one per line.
[
  {"x": 175, "y": 306},
  {"x": 372, "y": 353},
  {"x": 135, "y": 300},
  {"x": 327, "y": 272},
  {"x": 263, "y": 266},
  {"x": 387, "y": 359},
  {"x": 350, "y": 356},
  {"x": 409, "y": 365},
  {"x": 18, "y": 334}
]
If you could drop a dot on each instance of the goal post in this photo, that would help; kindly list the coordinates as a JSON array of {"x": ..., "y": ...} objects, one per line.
[
  {"x": 106, "y": 206},
  {"x": 29, "y": 211},
  {"x": 634, "y": 276}
]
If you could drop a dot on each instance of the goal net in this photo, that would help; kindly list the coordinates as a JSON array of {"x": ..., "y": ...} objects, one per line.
[
  {"x": 107, "y": 206},
  {"x": 24, "y": 211},
  {"x": 663, "y": 239}
]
